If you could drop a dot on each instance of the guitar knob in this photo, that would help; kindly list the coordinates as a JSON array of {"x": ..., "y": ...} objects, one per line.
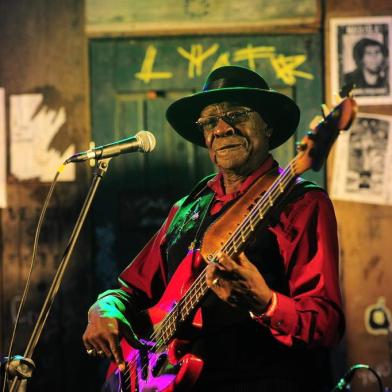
[{"x": 301, "y": 146}]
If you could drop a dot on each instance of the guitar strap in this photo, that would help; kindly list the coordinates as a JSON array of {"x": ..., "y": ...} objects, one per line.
[{"x": 184, "y": 231}]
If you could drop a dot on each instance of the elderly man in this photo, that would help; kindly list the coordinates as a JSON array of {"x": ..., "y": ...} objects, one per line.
[{"x": 271, "y": 310}]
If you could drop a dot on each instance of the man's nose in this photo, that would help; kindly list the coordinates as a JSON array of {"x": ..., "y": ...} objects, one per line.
[{"x": 223, "y": 128}]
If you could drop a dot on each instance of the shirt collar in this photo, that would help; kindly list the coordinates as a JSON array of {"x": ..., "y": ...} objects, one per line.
[{"x": 216, "y": 183}]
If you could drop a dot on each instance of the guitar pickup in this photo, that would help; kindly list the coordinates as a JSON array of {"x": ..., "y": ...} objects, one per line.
[{"x": 158, "y": 364}]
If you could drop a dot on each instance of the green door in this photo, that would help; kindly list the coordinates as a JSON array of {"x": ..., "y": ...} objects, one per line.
[{"x": 132, "y": 83}]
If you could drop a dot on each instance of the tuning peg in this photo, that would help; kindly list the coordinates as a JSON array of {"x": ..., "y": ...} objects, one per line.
[
  {"x": 314, "y": 122},
  {"x": 336, "y": 99},
  {"x": 300, "y": 146},
  {"x": 325, "y": 110}
]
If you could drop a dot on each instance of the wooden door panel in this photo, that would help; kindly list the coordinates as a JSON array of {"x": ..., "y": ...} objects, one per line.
[{"x": 134, "y": 80}]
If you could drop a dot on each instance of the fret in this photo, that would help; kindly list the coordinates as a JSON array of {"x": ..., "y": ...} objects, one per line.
[{"x": 187, "y": 311}]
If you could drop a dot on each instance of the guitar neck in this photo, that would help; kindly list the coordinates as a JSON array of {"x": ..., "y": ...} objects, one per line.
[{"x": 197, "y": 291}]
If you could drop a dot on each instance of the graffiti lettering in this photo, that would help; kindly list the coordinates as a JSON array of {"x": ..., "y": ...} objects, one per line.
[
  {"x": 285, "y": 67},
  {"x": 250, "y": 54},
  {"x": 147, "y": 74},
  {"x": 223, "y": 59},
  {"x": 196, "y": 58}
]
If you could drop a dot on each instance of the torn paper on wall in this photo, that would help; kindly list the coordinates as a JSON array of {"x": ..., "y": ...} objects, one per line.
[
  {"x": 363, "y": 161},
  {"x": 32, "y": 129}
]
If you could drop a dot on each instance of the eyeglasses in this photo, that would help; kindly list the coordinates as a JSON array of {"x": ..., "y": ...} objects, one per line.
[{"x": 234, "y": 118}]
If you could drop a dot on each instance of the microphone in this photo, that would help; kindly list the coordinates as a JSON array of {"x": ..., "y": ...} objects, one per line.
[{"x": 143, "y": 141}]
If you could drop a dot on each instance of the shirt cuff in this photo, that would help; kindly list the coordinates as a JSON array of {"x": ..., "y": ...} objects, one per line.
[
  {"x": 266, "y": 315},
  {"x": 280, "y": 316}
]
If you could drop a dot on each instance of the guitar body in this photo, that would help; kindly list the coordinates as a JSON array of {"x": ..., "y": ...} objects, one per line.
[{"x": 161, "y": 367}]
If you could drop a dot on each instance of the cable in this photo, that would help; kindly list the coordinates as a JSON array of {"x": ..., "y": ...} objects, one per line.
[
  {"x": 346, "y": 379},
  {"x": 27, "y": 286}
]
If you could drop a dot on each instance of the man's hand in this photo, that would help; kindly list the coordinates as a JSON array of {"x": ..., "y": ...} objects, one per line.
[
  {"x": 238, "y": 283},
  {"x": 106, "y": 326}
]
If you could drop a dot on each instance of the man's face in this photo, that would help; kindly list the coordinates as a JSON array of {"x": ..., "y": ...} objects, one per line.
[
  {"x": 237, "y": 143},
  {"x": 372, "y": 58}
]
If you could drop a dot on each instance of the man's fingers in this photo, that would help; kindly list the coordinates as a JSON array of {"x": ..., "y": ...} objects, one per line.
[
  {"x": 116, "y": 351},
  {"x": 104, "y": 349},
  {"x": 242, "y": 259},
  {"x": 211, "y": 274},
  {"x": 95, "y": 348},
  {"x": 228, "y": 266}
]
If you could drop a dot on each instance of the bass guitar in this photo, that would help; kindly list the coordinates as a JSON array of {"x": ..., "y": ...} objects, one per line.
[{"x": 165, "y": 363}]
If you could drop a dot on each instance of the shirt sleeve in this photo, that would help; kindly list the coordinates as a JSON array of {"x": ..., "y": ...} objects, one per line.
[
  {"x": 145, "y": 279},
  {"x": 307, "y": 237}
]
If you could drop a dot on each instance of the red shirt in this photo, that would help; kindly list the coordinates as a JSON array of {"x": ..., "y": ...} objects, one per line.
[{"x": 307, "y": 238}]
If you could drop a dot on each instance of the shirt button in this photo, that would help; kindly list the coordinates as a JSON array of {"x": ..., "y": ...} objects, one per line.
[{"x": 279, "y": 323}]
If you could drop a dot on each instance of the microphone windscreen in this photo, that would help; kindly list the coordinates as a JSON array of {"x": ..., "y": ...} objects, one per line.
[{"x": 147, "y": 141}]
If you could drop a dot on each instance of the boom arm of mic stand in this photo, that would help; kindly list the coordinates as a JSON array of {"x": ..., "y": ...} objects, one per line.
[{"x": 100, "y": 169}]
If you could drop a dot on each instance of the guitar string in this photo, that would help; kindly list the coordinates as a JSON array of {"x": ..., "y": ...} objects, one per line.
[
  {"x": 230, "y": 247},
  {"x": 282, "y": 179},
  {"x": 169, "y": 320},
  {"x": 258, "y": 212},
  {"x": 232, "y": 238},
  {"x": 235, "y": 238},
  {"x": 239, "y": 231},
  {"x": 190, "y": 296}
]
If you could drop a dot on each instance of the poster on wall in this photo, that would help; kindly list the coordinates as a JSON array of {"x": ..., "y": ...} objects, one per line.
[
  {"x": 360, "y": 55},
  {"x": 363, "y": 161},
  {"x": 33, "y": 127},
  {"x": 3, "y": 153}
]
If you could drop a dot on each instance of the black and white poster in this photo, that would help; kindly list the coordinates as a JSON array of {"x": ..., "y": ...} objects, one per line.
[
  {"x": 360, "y": 55},
  {"x": 363, "y": 161}
]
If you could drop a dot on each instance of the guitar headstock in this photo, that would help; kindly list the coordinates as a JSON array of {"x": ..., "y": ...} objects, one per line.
[{"x": 315, "y": 146}]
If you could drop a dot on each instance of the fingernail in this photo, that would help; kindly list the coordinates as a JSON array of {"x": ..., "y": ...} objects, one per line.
[{"x": 121, "y": 366}]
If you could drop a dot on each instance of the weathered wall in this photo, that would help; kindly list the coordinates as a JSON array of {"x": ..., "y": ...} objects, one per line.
[
  {"x": 364, "y": 231},
  {"x": 43, "y": 49}
]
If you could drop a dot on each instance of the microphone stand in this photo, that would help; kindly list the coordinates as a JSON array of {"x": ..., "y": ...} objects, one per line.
[{"x": 19, "y": 376}]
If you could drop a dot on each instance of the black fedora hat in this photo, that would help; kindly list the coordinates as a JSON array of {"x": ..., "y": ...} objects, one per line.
[{"x": 240, "y": 85}]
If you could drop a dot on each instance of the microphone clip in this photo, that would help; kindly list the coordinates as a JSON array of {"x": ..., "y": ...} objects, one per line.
[{"x": 19, "y": 367}]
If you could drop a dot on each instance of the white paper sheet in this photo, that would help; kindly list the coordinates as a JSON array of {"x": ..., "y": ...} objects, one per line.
[
  {"x": 359, "y": 55},
  {"x": 32, "y": 131},
  {"x": 363, "y": 161}
]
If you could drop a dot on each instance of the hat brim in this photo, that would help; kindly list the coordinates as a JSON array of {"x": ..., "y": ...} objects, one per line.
[{"x": 280, "y": 111}]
